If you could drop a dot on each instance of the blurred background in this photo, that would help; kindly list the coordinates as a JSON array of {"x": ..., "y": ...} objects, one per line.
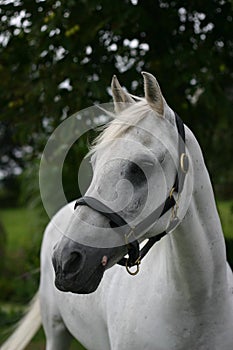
[{"x": 58, "y": 57}]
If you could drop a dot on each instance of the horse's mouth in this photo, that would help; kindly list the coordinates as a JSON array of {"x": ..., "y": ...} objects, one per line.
[{"x": 77, "y": 286}]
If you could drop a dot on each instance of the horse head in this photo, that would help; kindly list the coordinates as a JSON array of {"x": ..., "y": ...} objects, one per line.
[{"x": 139, "y": 165}]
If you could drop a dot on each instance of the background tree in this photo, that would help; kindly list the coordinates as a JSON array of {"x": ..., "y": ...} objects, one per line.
[{"x": 57, "y": 57}]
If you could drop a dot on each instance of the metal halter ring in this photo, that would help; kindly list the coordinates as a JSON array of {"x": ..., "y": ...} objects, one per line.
[
  {"x": 184, "y": 162},
  {"x": 137, "y": 262}
]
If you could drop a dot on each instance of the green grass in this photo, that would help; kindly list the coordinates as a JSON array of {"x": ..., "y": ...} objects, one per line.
[
  {"x": 20, "y": 225},
  {"x": 21, "y": 260},
  {"x": 225, "y": 209}
]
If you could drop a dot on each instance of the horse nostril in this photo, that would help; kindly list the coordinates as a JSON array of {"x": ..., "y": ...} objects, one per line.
[{"x": 73, "y": 264}]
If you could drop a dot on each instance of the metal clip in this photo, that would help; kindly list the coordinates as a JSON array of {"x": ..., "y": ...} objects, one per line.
[{"x": 137, "y": 263}]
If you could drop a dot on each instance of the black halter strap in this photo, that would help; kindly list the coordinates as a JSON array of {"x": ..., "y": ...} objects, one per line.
[
  {"x": 183, "y": 159},
  {"x": 116, "y": 219}
]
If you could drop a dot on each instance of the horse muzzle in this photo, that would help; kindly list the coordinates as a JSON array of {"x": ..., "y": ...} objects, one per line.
[{"x": 78, "y": 268}]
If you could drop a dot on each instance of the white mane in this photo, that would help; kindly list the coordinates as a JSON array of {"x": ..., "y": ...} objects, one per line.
[{"x": 121, "y": 123}]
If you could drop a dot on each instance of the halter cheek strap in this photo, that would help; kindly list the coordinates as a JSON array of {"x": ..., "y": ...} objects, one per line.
[{"x": 116, "y": 219}]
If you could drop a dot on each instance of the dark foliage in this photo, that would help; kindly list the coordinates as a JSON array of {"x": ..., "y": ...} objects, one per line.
[{"x": 186, "y": 44}]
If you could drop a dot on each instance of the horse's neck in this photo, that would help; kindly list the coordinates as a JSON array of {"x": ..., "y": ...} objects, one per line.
[{"x": 196, "y": 248}]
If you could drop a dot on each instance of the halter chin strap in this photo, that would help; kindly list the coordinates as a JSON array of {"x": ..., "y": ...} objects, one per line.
[{"x": 116, "y": 219}]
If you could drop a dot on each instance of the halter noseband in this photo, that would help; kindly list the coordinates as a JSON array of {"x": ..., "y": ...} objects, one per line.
[{"x": 116, "y": 220}]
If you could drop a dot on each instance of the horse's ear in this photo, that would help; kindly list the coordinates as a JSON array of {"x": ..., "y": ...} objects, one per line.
[
  {"x": 153, "y": 93},
  {"x": 120, "y": 97}
]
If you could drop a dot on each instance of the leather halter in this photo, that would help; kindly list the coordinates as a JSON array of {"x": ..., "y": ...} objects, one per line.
[{"x": 116, "y": 220}]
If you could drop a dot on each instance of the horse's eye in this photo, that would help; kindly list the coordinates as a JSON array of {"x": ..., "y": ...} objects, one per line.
[{"x": 135, "y": 174}]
